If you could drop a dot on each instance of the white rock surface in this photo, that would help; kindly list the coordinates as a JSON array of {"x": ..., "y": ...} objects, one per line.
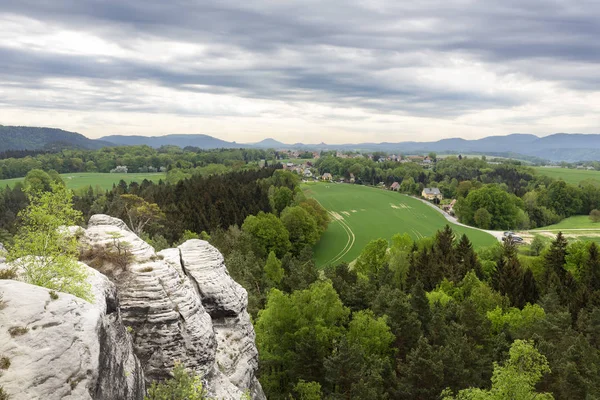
[
  {"x": 181, "y": 304},
  {"x": 71, "y": 349}
]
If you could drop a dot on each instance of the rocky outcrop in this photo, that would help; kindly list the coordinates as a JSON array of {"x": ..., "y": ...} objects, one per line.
[
  {"x": 180, "y": 304},
  {"x": 62, "y": 347},
  {"x": 149, "y": 311}
]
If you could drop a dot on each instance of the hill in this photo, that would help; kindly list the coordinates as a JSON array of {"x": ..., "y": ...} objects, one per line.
[
  {"x": 361, "y": 214},
  {"x": 30, "y": 138},
  {"x": 201, "y": 141}
]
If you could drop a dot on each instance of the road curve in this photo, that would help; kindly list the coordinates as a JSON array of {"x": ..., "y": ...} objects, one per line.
[{"x": 497, "y": 234}]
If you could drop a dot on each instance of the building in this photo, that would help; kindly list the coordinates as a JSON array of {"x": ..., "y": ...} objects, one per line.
[
  {"x": 327, "y": 177},
  {"x": 395, "y": 186},
  {"x": 432, "y": 193}
]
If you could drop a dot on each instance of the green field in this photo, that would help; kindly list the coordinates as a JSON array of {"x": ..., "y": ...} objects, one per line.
[
  {"x": 576, "y": 222},
  {"x": 103, "y": 180},
  {"x": 361, "y": 214},
  {"x": 572, "y": 176}
]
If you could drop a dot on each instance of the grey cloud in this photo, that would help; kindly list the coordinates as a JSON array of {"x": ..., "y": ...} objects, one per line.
[{"x": 518, "y": 36}]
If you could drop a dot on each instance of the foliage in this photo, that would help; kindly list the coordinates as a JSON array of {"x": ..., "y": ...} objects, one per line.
[
  {"x": 516, "y": 320},
  {"x": 183, "y": 386},
  {"x": 516, "y": 379},
  {"x": 270, "y": 233},
  {"x": 307, "y": 390},
  {"x": 595, "y": 215},
  {"x": 140, "y": 212},
  {"x": 274, "y": 273},
  {"x": 294, "y": 334},
  {"x": 44, "y": 249}
]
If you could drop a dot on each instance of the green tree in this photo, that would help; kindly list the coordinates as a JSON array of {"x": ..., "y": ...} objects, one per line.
[
  {"x": 183, "y": 386},
  {"x": 372, "y": 334},
  {"x": 307, "y": 390},
  {"x": 482, "y": 218},
  {"x": 280, "y": 198},
  {"x": 37, "y": 180},
  {"x": 301, "y": 226},
  {"x": 595, "y": 215},
  {"x": 372, "y": 258},
  {"x": 140, "y": 212},
  {"x": 44, "y": 249},
  {"x": 273, "y": 271},
  {"x": 295, "y": 333},
  {"x": 516, "y": 379},
  {"x": 269, "y": 232}
]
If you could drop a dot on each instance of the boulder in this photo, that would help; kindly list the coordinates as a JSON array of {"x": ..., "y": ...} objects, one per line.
[{"x": 62, "y": 347}]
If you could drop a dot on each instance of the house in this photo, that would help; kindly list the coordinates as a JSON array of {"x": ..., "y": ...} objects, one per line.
[
  {"x": 432, "y": 193},
  {"x": 395, "y": 186},
  {"x": 307, "y": 173},
  {"x": 327, "y": 177}
]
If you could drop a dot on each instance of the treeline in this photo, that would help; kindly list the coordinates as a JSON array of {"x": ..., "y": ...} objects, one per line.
[
  {"x": 136, "y": 158},
  {"x": 413, "y": 320}
]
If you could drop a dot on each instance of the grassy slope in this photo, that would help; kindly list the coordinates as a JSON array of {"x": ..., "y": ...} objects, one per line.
[
  {"x": 572, "y": 176},
  {"x": 369, "y": 214},
  {"x": 576, "y": 222},
  {"x": 105, "y": 181}
]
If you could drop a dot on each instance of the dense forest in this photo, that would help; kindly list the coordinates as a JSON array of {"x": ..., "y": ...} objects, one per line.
[{"x": 407, "y": 320}]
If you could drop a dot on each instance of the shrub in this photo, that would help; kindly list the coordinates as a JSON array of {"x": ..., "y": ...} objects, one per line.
[
  {"x": 117, "y": 253},
  {"x": 53, "y": 295},
  {"x": 183, "y": 386},
  {"x": 4, "y": 362},
  {"x": 17, "y": 331},
  {"x": 9, "y": 273},
  {"x": 595, "y": 215},
  {"x": 3, "y": 394},
  {"x": 44, "y": 249}
]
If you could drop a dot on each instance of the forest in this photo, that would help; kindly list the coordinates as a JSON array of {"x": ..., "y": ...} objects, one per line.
[{"x": 424, "y": 319}]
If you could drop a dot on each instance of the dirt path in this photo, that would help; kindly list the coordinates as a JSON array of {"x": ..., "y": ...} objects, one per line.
[{"x": 497, "y": 234}]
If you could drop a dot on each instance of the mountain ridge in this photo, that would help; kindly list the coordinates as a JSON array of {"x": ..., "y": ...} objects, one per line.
[{"x": 569, "y": 147}]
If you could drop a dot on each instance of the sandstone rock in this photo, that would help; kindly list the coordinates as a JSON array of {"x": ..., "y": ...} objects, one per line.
[
  {"x": 67, "y": 348},
  {"x": 181, "y": 304}
]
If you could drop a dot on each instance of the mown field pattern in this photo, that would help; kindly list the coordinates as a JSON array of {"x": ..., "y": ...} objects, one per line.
[
  {"x": 103, "y": 180},
  {"x": 361, "y": 214},
  {"x": 572, "y": 176}
]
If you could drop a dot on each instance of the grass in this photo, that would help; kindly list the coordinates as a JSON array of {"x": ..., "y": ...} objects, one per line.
[
  {"x": 103, "y": 180},
  {"x": 572, "y": 176},
  {"x": 365, "y": 213},
  {"x": 575, "y": 222}
]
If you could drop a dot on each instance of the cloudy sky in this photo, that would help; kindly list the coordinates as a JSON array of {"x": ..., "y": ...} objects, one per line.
[{"x": 302, "y": 70}]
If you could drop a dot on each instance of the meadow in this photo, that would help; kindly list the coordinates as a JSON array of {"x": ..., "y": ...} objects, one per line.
[
  {"x": 572, "y": 176},
  {"x": 575, "y": 222},
  {"x": 103, "y": 180},
  {"x": 361, "y": 214}
]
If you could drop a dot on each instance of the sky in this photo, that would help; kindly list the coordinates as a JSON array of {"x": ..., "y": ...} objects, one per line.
[{"x": 335, "y": 71}]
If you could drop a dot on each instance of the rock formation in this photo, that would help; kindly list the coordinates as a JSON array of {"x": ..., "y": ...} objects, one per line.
[
  {"x": 62, "y": 347},
  {"x": 181, "y": 304},
  {"x": 153, "y": 309}
]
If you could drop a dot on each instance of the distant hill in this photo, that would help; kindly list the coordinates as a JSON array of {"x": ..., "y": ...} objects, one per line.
[
  {"x": 270, "y": 144},
  {"x": 201, "y": 141},
  {"x": 556, "y": 147},
  {"x": 28, "y": 138}
]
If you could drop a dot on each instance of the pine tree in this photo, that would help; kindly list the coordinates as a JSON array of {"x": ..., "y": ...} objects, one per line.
[
  {"x": 420, "y": 304},
  {"x": 467, "y": 259},
  {"x": 530, "y": 291}
]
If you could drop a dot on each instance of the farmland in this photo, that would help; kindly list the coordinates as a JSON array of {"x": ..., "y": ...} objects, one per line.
[
  {"x": 572, "y": 176},
  {"x": 103, "y": 180},
  {"x": 361, "y": 214}
]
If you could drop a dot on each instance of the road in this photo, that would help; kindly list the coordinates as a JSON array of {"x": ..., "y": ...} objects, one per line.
[{"x": 497, "y": 234}]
